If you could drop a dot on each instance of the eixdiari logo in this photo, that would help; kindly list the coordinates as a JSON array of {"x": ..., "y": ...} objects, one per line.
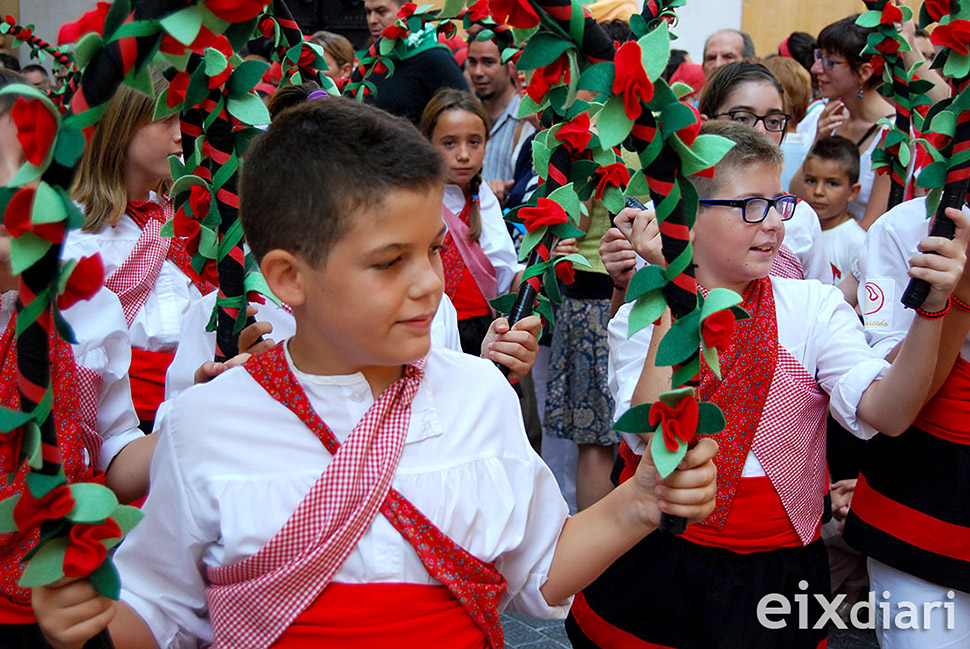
[{"x": 773, "y": 608}]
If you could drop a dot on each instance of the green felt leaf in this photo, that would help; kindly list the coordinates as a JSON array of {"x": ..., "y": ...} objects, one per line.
[
  {"x": 636, "y": 420},
  {"x": 25, "y": 251},
  {"x": 86, "y": 48},
  {"x": 11, "y": 419},
  {"x": 168, "y": 229},
  {"x": 41, "y": 484},
  {"x": 673, "y": 397},
  {"x": 184, "y": 25},
  {"x": 718, "y": 300},
  {"x": 249, "y": 109},
  {"x": 944, "y": 122},
  {"x": 638, "y": 25},
  {"x": 126, "y": 517},
  {"x": 117, "y": 14},
  {"x": 655, "y": 51},
  {"x": 676, "y": 116},
  {"x": 542, "y": 49},
  {"x": 573, "y": 85},
  {"x": 48, "y": 207},
  {"x": 933, "y": 175},
  {"x": 184, "y": 184},
  {"x": 551, "y": 283},
  {"x": 710, "y": 419},
  {"x": 244, "y": 78},
  {"x": 603, "y": 157},
  {"x": 645, "y": 280},
  {"x": 613, "y": 124},
  {"x": 665, "y": 460},
  {"x": 576, "y": 258},
  {"x": 869, "y": 19},
  {"x": 544, "y": 308},
  {"x": 711, "y": 358},
  {"x": 904, "y": 155},
  {"x": 69, "y": 146},
  {"x": 681, "y": 342},
  {"x": 7, "y": 523},
  {"x": 530, "y": 240},
  {"x": 566, "y": 231},
  {"x": 215, "y": 62},
  {"x": 567, "y": 199},
  {"x": 540, "y": 157},
  {"x": 598, "y": 78},
  {"x": 957, "y": 65},
  {"x": 662, "y": 95},
  {"x": 452, "y": 8},
  {"x": 706, "y": 151},
  {"x": 105, "y": 580},
  {"x": 92, "y": 502},
  {"x": 681, "y": 89},
  {"x": 646, "y": 311},
  {"x": 638, "y": 185},
  {"x": 255, "y": 281},
  {"x": 47, "y": 564},
  {"x": 503, "y": 303},
  {"x": 30, "y": 445},
  {"x": 613, "y": 199}
]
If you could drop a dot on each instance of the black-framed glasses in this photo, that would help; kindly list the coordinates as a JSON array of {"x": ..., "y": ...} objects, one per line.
[
  {"x": 774, "y": 122},
  {"x": 828, "y": 63},
  {"x": 755, "y": 208}
]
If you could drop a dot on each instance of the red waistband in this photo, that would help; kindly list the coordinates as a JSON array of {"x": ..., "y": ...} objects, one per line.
[
  {"x": 365, "y": 616},
  {"x": 947, "y": 414},
  {"x": 468, "y": 299},
  {"x": 758, "y": 522},
  {"x": 147, "y": 374},
  {"x": 13, "y": 613}
]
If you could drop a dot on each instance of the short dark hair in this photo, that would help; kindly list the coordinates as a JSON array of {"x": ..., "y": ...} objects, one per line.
[
  {"x": 747, "y": 44},
  {"x": 319, "y": 163},
  {"x": 33, "y": 67},
  {"x": 840, "y": 150},
  {"x": 291, "y": 95},
  {"x": 751, "y": 146},
  {"x": 802, "y": 46},
  {"x": 726, "y": 78},
  {"x": 9, "y": 62},
  {"x": 618, "y": 30},
  {"x": 8, "y": 77},
  {"x": 845, "y": 38}
]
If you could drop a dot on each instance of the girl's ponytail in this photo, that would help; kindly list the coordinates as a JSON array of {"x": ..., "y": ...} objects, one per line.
[{"x": 475, "y": 213}]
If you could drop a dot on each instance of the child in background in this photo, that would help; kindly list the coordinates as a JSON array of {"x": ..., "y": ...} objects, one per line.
[
  {"x": 120, "y": 185},
  {"x": 432, "y": 441},
  {"x": 830, "y": 182},
  {"x": 479, "y": 259},
  {"x": 800, "y": 353}
]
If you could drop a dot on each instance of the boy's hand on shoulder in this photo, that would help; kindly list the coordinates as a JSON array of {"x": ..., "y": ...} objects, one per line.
[
  {"x": 514, "y": 348},
  {"x": 945, "y": 269},
  {"x": 70, "y": 612},
  {"x": 689, "y": 491}
]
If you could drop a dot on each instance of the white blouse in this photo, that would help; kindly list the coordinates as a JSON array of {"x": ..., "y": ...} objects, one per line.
[
  {"x": 803, "y": 236},
  {"x": 883, "y": 274},
  {"x": 158, "y": 323},
  {"x": 197, "y": 345},
  {"x": 102, "y": 346},
  {"x": 232, "y": 464},
  {"x": 494, "y": 240},
  {"x": 815, "y": 324}
]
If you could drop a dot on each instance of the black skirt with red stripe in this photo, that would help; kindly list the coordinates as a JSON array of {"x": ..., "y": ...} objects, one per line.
[
  {"x": 911, "y": 508},
  {"x": 670, "y": 593}
]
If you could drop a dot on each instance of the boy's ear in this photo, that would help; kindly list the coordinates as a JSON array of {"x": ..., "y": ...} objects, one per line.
[
  {"x": 854, "y": 191},
  {"x": 284, "y": 275}
]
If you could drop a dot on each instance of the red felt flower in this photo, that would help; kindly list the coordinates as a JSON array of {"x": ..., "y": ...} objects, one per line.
[
  {"x": 222, "y": 45},
  {"x": 955, "y": 35},
  {"x": 236, "y": 11},
  {"x": 379, "y": 68},
  {"x": 407, "y": 10},
  {"x": 170, "y": 45},
  {"x": 394, "y": 31},
  {"x": 25, "y": 34},
  {"x": 85, "y": 280},
  {"x": 177, "y": 88},
  {"x": 888, "y": 46},
  {"x": 307, "y": 56},
  {"x": 631, "y": 79},
  {"x": 545, "y": 78},
  {"x": 30, "y": 512},
  {"x": 36, "y": 128},
  {"x": 10, "y": 451},
  {"x": 92, "y": 21},
  {"x": 267, "y": 27},
  {"x": 479, "y": 11},
  {"x": 200, "y": 200},
  {"x": 10, "y": 20},
  {"x": 565, "y": 272},
  {"x": 576, "y": 133},
  {"x": 878, "y": 65},
  {"x": 18, "y": 218},
  {"x": 210, "y": 272},
  {"x": 718, "y": 329},
  {"x": 937, "y": 9},
  {"x": 704, "y": 173},
  {"x": 86, "y": 551},
  {"x": 891, "y": 14},
  {"x": 547, "y": 212},
  {"x": 689, "y": 133},
  {"x": 676, "y": 423},
  {"x": 514, "y": 13},
  {"x": 615, "y": 174}
]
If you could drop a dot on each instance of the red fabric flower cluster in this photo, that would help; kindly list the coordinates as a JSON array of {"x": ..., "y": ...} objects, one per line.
[
  {"x": 888, "y": 46},
  {"x": 631, "y": 79},
  {"x": 955, "y": 35},
  {"x": 478, "y": 11},
  {"x": 30, "y": 512},
  {"x": 85, "y": 280},
  {"x": 92, "y": 21},
  {"x": 937, "y": 9},
  {"x": 576, "y": 133},
  {"x": 407, "y": 10},
  {"x": 222, "y": 44},
  {"x": 236, "y": 11},
  {"x": 36, "y": 128},
  {"x": 85, "y": 550},
  {"x": 615, "y": 174},
  {"x": 18, "y": 218},
  {"x": 545, "y": 78},
  {"x": 676, "y": 423},
  {"x": 189, "y": 227},
  {"x": 718, "y": 329},
  {"x": 546, "y": 212},
  {"x": 514, "y": 13},
  {"x": 177, "y": 88},
  {"x": 891, "y": 14}
]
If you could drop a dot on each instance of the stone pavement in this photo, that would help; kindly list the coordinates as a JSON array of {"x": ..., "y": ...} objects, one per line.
[{"x": 523, "y": 632}]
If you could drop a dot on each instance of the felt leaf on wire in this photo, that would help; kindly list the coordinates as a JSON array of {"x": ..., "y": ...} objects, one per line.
[
  {"x": 503, "y": 303},
  {"x": 681, "y": 342},
  {"x": 46, "y": 565},
  {"x": 184, "y": 24},
  {"x": 248, "y": 109},
  {"x": 646, "y": 311},
  {"x": 613, "y": 123},
  {"x": 92, "y": 502},
  {"x": 644, "y": 281}
]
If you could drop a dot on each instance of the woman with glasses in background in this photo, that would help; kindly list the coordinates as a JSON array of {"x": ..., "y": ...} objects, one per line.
[
  {"x": 749, "y": 94},
  {"x": 848, "y": 81}
]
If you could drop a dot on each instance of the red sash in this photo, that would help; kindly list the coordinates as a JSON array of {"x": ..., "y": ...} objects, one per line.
[
  {"x": 147, "y": 375},
  {"x": 947, "y": 414},
  {"x": 247, "y": 602},
  {"x": 469, "y": 274},
  {"x": 375, "y": 616},
  {"x": 68, "y": 392}
]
